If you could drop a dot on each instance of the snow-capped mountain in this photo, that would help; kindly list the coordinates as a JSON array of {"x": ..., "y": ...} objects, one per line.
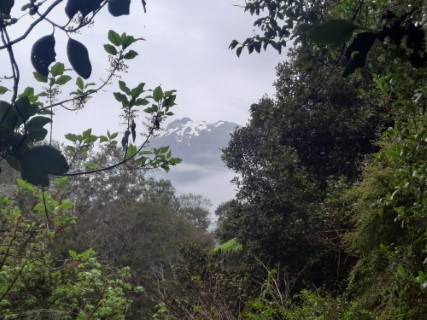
[{"x": 198, "y": 144}]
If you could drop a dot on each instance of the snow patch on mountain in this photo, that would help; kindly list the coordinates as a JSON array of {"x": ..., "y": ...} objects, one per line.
[{"x": 185, "y": 129}]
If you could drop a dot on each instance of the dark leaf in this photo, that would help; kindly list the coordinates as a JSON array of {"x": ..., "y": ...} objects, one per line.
[
  {"x": 72, "y": 7},
  {"x": 362, "y": 42},
  {"x": 36, "y": 135},
  {"x": 358, "y": 51},
  {"x": 334, "y": 32},
  {"x": 6, "y": 6},
  {"x": 43, "y": 54},
  {"x": 118, "y": 7},
  {"x": 8, "y": 117},
  {"x": 84, "y": 6},
  {"x": 133, "y": 130},
  {"x": 79, "y": 58},
  {"x": 37, "y": 123},
  {"x": 39, "y": 162},
  {"x": 25, "y": 109},
  {"x": 233, "y": 44}
]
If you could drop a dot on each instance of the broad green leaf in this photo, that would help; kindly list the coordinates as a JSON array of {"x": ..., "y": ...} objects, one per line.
[
  {"x": 71, "y": 137},
  {"x": 120, "y": 97},
  {"x": 43, "y": 54},
  {"x": 28, "y": 92},
  {"x": 57, "y": 69},
  {"x": 127, "y": 41},
  {"x": 80, "y": 83},
  {"x": 151, "y": 109},
  {"x": 157, "y": 94},
  {"x": 131, "y": 150},
  {"x": 110, "y": 49},
  {"x": 114, "y": 38},
  {"x": 130, "y": 54},
  {"x": 141, "y": 102},
  {"x": 91, "y": 139},
  {"x": 123, "y": 87},
  {"x": 63, "y": 79},
  {"x": 118, "y": 7},
  {"x": 136, "y": 92},
  {"x": 66, "y": 204},
  {"x": 334, "y": 32},
  {"x": 3, "y": 90},
  {"x": 79, "y": 58},
  {"x": 39, "y": 162},
  {"x": 87, "y": 133},
  {"x": 175, "y": 161}
]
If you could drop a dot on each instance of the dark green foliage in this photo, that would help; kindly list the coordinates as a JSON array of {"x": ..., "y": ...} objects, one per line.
[
  {"x": 40, "y": 162},
  {"x": 333, "y": 32}
]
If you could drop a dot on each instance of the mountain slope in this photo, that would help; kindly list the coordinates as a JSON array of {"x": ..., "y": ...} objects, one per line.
[{"x": 199, "y": 145}]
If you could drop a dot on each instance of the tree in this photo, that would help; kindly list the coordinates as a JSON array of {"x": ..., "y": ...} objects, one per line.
[
  {"x": 34, "y": 283},
  {"x": 379, "y": 48},
  {"x": 195, "y": 209},
  {"x": 38, "y": 279}
]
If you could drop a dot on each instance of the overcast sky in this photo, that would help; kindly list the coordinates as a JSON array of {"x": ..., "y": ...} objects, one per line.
[{"x": 186, "y": 49}]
